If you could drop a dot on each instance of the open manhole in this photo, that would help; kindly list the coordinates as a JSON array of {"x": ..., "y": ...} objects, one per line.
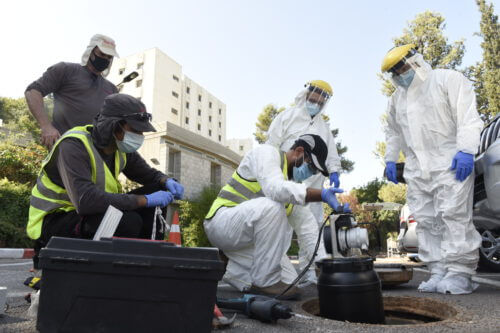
[{"x": 403, "y": 310}]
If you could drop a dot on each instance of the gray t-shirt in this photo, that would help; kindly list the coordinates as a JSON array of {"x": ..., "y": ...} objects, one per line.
[{"x": 78, "y": 94}]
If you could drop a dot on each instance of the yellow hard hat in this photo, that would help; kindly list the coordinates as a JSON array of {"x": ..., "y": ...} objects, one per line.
[
  {"x": 323, "y": 85},
  {"x": 395, "y": 55}
]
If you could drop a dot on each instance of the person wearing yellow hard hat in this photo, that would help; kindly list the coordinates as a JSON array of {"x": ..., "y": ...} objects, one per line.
[
  {"x": 305, "y": 116},
  {"x": 432, "y": 118}
]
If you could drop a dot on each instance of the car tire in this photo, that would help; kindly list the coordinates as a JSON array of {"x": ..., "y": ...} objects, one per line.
[{"x": 489, "y": 251}]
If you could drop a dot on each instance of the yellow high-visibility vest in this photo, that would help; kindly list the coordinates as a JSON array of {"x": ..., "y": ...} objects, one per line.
[
  {"x": 239, "y": 190},
  {"x": 47, "y": 197}
]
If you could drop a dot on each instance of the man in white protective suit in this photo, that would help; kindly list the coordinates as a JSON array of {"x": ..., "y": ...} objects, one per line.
[
  {"x": 252, "y": 218},
  {"x": 305, "y": 116},
  {"x": 432, "y": 118}
]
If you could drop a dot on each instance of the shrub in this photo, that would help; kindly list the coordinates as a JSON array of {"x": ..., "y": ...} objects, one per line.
[
  {"x": 191, "y": 217},
  {"x": 21, "y": 164},
  {"x": 14, "y": 207}
]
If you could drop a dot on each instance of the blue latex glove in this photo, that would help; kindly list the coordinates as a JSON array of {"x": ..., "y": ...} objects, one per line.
[
  {"x": 159, "y": 198},
  {"x": 334, "y": 179},
  {"x": 390, "y": 172},
  {"x": 328, "y": 196},
  {"x": 175, "y": 188},
  {"x": 464, "y": 164}
]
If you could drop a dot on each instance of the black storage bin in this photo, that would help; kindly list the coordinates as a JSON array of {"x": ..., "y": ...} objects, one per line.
[{"x": 126, "y": 285}]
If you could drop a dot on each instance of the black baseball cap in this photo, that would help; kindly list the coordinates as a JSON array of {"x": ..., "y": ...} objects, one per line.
[
  {"x": 315, "y": 147},
  {"x": 130, "y": 109}
]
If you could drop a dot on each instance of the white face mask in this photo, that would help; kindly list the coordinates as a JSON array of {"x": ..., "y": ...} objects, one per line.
[
  {"x": 313, "y": 108},
  {"x": 131, "y": 142}
]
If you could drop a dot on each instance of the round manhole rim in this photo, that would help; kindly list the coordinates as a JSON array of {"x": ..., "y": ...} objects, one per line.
[{"x": 440, "y": 311}]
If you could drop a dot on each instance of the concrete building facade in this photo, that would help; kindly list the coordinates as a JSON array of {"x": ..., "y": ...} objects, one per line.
[
  {"x": 240, "y": 146},
  {"x": 171, "y": 96},
  {"x": 192, "y": 159}
]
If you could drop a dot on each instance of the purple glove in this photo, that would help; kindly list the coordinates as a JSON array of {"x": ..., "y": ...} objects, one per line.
[
  {"x": 464, "y": 164},
  {"x": 390, "y": 172},
  {"x": 328, "y": 196},
  {"x": 159, "y": 198},
  {"x": 334, "y": 179},
  {"x": 175, "y": 188}
]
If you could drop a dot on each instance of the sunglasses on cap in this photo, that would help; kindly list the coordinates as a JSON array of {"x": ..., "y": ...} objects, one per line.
[{"x": 142, "y": 116}]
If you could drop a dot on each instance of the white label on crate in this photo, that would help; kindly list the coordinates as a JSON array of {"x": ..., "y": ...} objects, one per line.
[{"x": 109, "y": 223}]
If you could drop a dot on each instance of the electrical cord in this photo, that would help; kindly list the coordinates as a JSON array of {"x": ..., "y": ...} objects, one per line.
[{"x": 304, "y": 271}]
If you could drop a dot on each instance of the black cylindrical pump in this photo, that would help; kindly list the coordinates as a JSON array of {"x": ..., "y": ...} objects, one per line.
[{"x": 349, "y": 289}]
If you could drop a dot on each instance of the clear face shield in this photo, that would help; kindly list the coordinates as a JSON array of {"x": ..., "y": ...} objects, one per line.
[
  {"x": 316, "y": 99},
  {"x": 403, "y": 73}
]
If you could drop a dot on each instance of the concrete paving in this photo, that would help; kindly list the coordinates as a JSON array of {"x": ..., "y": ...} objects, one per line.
[{"x": 477, "y": 312}]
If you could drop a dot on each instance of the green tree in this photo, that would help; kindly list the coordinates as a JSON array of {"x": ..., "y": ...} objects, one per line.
[
  {"x": 426, "y": 31},
  {"x": 270, "y": 112},
  {"x": 264, "y": 120},
  {"x": 369, "y": 192},
  {"x": 346, "y": 164},
  {"x": 393, "y": 193},
  {"x": 486, "y": 73}
]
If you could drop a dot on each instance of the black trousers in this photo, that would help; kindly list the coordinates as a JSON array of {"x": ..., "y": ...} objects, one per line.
[{"x": 133, "y": 224}]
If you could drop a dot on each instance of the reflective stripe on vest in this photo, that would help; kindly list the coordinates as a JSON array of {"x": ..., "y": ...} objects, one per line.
[
  {"x": 47, "y": 197},
  {"x": 239, "y": 189}
]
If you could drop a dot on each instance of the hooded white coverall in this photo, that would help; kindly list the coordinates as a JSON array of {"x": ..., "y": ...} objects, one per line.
[
  {"x": 430, "y": 122},
  {"x": 255, "y": 235},
  {"x": 285, "y": 129}
]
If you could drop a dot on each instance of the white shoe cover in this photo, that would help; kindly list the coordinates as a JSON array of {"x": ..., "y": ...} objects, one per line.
[
  {"x": 429, "y": 286},
  {"x": 456, "y": 284}
]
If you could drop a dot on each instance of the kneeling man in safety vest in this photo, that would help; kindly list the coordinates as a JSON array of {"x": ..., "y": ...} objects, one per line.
[
  {"x": 79, "y": 178},
  {"x": 252, "y": 218}
]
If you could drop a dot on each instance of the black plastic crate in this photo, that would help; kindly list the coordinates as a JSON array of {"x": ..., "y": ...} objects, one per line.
[{"x": 124, "y": 285}]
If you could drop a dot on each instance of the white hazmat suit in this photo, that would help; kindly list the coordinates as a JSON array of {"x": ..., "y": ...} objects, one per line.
[
  {"x": 430, "y": 122},
  {"x": 255, "y": 235},
  {"x": 284, "y": 130}
]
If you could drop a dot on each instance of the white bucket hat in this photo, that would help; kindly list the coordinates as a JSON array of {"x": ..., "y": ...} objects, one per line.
[{"x": 105, "y": 44}]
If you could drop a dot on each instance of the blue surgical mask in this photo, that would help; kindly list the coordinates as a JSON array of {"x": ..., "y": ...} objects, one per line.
[
  {"x": 406, "y": 78},
  {"x": 313, "y": 108},
  {"x": 302, "y": 172},
  {"x": 131, "y": 142}
]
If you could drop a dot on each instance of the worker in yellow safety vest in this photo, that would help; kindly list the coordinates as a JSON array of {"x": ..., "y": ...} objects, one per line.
[
  {"x": 78, "y": 180},
  {"x": 252, "y": 219}
]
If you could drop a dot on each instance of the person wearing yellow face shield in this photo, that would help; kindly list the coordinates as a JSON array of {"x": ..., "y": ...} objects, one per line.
[
  {"x": 305, "y": 116},
  {"x": 432, "y": 118}
]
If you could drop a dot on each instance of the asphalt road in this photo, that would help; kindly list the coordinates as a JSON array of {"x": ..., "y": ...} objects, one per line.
[{"x": 477, "y": 312}]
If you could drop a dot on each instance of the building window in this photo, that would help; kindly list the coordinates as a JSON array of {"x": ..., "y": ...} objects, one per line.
[
  {"x": 220, "y": 111},
  {"x": 199, "y": 127},
  {"x": 199, "y": 112},
  {"x": 174, "y": 111},
  {"x": 210, "y": 104},
  {"x": 121, "y": 70},
  {"x": 176, "y": 95},
  {"x": 139, "y": 65},
  {"x": 199, "y": 98},
  {"x": 187, "y": 121},
  {"x": 220, "y": 138},
  {"x": 215, "y": 175},
  {"x": 241, "y": 148},
  {"x": 210, "y": 118},
  {"x": 220, "y": 124},
  {"x": 174, "y": 163},
  {"x": 188, "y": 90},
  {"x": 209, "y": 132},
  {"x": 138, "y": 83},
  {"x": 187, "y": 105},
  {"x": 175, "y": 78}
]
